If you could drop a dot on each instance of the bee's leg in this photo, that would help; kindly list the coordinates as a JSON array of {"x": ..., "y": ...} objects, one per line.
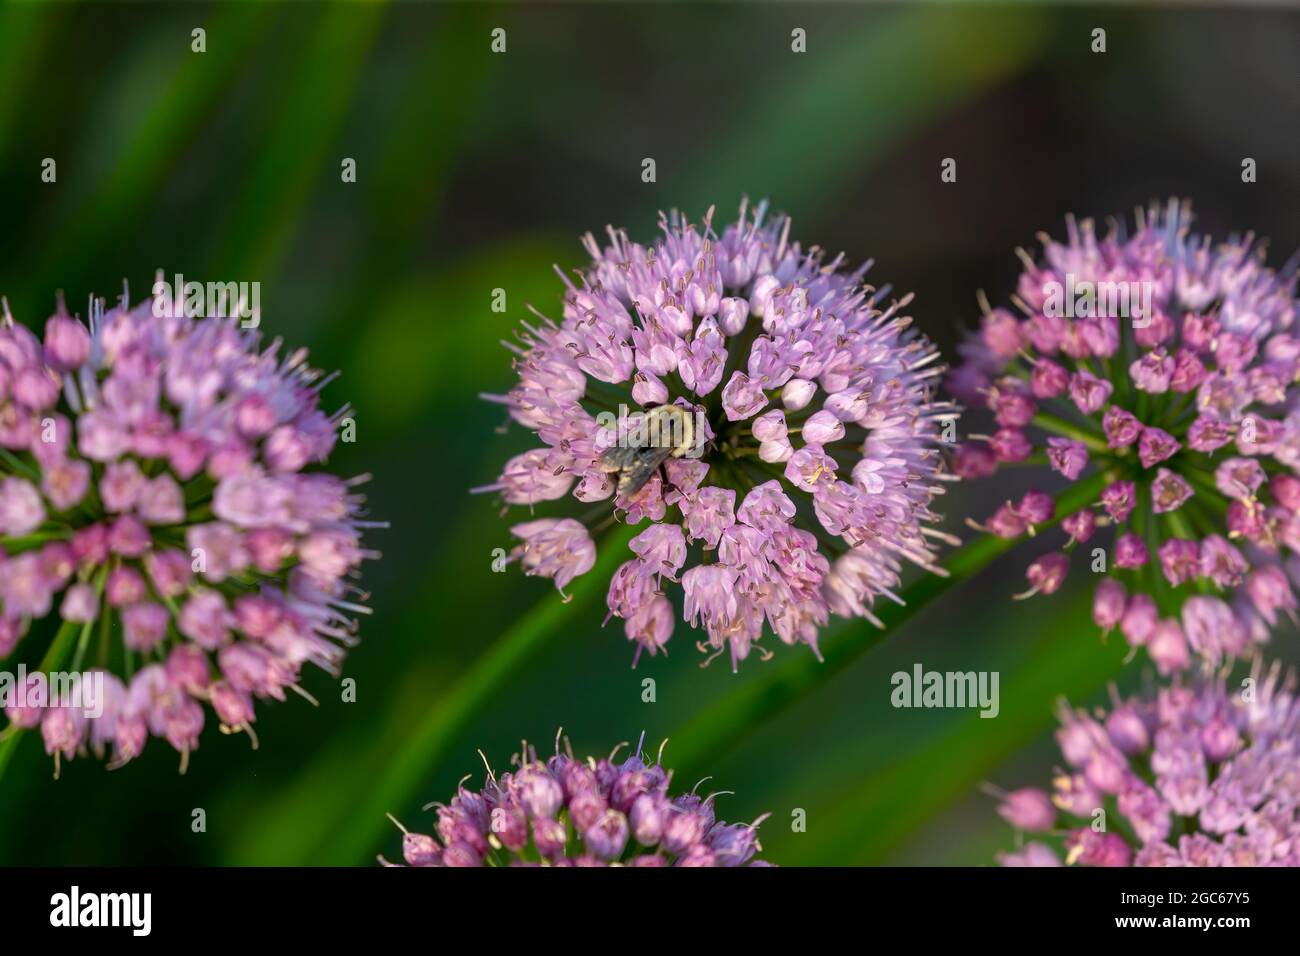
[{"x": 667, "y": 483}]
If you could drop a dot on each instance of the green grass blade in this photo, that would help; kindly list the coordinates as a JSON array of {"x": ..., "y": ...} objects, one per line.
[
  {"x": 294, "y": 157},
  {"x": 864, "y": 823},
  {"x": 54, "y": 657},
  {"x": 160, "y": 105},
  {"x": 347, "y": 832},
  {"x": 840, "y": 89},
  {"x": 729, "y": 719}
]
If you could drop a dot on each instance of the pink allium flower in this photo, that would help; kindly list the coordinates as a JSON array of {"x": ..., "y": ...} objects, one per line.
[
  {"x": 1201, "y": 774},
  {"x": 1032, "y": 854},
  {"x": 1028, "y": 809},
  {"x": 570, "y": 812},
  {"x": 1164, "y": 365},
  {"x": 809, "y": 481},
  {"x": 155, "y": 479}
]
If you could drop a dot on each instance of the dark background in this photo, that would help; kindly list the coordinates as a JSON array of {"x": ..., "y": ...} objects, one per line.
[{"x": 479, "y": 171}]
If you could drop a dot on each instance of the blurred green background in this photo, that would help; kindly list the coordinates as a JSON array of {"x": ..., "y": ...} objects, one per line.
[{"x": 479, "y": 171}]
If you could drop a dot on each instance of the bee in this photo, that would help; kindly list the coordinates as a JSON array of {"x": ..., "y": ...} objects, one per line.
[{"x": 665, "y": 431}]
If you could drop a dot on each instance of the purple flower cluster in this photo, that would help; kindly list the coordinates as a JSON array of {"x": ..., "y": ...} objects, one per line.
[
  {"x": 818, "y": 461},
  {"x": 1199, "y": 776},
  {"x": 155, "y": 495},
  {"x": 1165, "y": 365},
  {"x": 569, "y": 812}
]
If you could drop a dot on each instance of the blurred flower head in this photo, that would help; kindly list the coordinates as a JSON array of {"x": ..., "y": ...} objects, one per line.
[
  {"x": 1201, "y": 774},
  {"x": 1159, "y": 368},
  {"x": 570, "y": 812},
  {"x": 803, "y": 477},
  {"x": 157, "y": 494}
]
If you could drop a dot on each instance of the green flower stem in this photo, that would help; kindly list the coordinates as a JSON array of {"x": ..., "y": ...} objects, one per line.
[
  {"x": 29, "y": 541},
  {"x": 1178, "y": 523},
  {"x": 18, "y": 466},
  {"x": 1053, "y": 423},
  {"x": 53, "y": 658},
  {"x": 1174, "y": 415},
  {"x": 405, "y": 772},
  {"x": 84, "y": 640},
  {"x": 1209, "y": 494},
  {"x": 884, "y": 803},
  {"x": 717, "y": 728},
  {"x": 714, "y": 730}
]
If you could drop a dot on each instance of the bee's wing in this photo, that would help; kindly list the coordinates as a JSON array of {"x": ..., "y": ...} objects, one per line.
[
  {"x": 618, "y": 458},
  {"x": 633, "y": 476}
]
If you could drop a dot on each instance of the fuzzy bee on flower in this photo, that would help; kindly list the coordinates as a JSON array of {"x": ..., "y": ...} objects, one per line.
[
  {"x": 164, "y": 528},
  {"x": 663, "y": 432},
  {"x": 769, "y": 423},
  {"x": 1156, "y": 371}
]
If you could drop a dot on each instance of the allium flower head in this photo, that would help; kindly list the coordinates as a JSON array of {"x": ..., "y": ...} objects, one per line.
[
  {"x": 804, "y": 479},
  {"x": 1162, "y": 367},
  {"x": 157, "y": 493},
  {"x": 570, "y": 812},
  {"x": 1201, "y": 774}
]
